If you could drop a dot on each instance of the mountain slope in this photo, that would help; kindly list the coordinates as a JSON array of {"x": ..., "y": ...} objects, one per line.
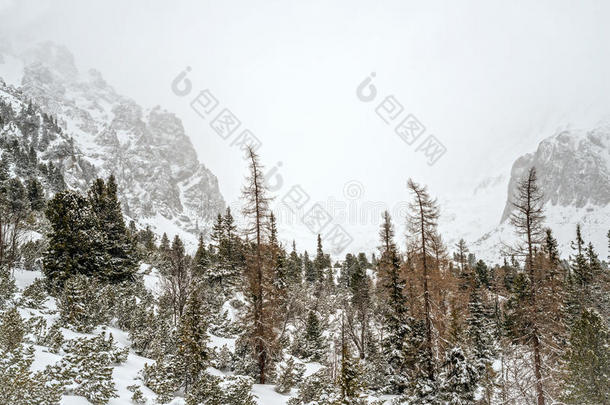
[
  {"x": 573, "y": 168},
  {"x": 161, "y": 181}
]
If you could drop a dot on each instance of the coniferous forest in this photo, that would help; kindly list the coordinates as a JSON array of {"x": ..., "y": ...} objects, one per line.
[
  {"x": 352, "y": 202},
  {"x": 246, "y": 318}
]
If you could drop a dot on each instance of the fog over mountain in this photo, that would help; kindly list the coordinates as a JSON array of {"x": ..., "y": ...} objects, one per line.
[
  {"x": 490, "y": 84},
  {"x": 572, "y": 166},
  {"x": 114, "y": 135},
  {"x": 160, "y": 179}
]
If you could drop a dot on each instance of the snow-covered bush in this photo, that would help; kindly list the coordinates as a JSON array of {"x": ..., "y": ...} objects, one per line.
[
  {"x": 12, "y": 330},
  {"x": 237, "y": 390},
  {"x": 317, "y": 389},
  {"x": 213, "y": 390},
  {"x": 34, "y": 295},
  {"x": 310, "y": 345},
  {"x": 19, "y": 386},
  {"x": 53, "y": 338},
  {"x": 137, "y": 396},
  {"x": 31, "y": 254},
  {"x": 82, "y": 304},
  {"x": 223, "y": 358},
  {"x": 37, "y": 327},
  {"x": 221, "y": 325},
  {"x": 87, "y": 368},
  {"x": 290, "y": 374},
  {"x": 7, "y": 287},
  {"x": 163, "y": 378},
  {"x": 206, "y": 391},
  {"x": 128, "y": 303},
  {"x": 458, "y": 379},
  {"x": 244, "y": 363}
]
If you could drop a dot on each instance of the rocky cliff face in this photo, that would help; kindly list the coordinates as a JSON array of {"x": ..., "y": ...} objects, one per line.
[
  {"x": 573, "y": 168},
  {"x": 156, "y": 166}
]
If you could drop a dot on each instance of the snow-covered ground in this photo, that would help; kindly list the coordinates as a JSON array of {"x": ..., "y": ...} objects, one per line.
[
  {"x": 128, "y": 373},
  {"x": 123, "y": 375}
]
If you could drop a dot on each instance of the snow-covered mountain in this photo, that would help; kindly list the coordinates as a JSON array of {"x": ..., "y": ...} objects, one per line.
[
  {"x": 573, "y": 168},
  {"x": 163, "y": 184},
  {"x": 161, "y": 181}
]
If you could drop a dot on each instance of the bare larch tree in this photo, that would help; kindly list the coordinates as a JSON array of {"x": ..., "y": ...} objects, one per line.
[
  {"x": 527, "y": 218},
  {"x": 422, "y": 224},
  {"x": 256, "y": 211}
]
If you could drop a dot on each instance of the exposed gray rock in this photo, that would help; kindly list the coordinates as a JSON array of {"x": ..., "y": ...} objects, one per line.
[
  {"x": 155, "y": 164},
  {"x": 573, "y": 169}
]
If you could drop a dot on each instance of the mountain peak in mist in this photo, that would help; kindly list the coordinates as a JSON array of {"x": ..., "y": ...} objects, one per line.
[{"x": 159, "y": 175}]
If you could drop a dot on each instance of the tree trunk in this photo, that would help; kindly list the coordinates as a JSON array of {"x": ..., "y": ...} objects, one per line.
[
  {"x": 426, "y": 293},
  {"x": 534, "y": 313},
  {"x": 258, "y": 306}
]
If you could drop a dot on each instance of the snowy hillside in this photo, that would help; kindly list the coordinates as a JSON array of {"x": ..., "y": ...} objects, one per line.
[
  {"x": 574, "y": 171},
  {"x": 468, "y": 215},
  {"x": 160, "y": 179},
  {"x": 573, "y": 168},
  {"x": 128, "y": 372}
]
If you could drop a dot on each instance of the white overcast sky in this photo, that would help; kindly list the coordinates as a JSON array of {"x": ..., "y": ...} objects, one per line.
[{"x": 489, "y": 79}]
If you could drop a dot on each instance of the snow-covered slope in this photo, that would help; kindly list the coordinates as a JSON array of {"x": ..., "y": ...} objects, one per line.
[
  {"x": 161, "y": 181},
  {"x": 573, "y": 168},
  {"x": 469, "y": 215},
  {"x": 129, "y": 372}
]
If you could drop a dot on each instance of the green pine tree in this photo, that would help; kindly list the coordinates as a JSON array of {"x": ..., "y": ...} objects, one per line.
[
  {"x": 12, "y": 330},
  {"x": 321, "y": 261},
  {"x": 35, "y": 194},
  {"x": 457, "y": 380},
  {"x": 360, "y": 288},
  {"x": 311, "y": 275},
  {"x": 201, "y": 261},
  {"x": 71, "y": 248},
  {"x": 479, "y": 331},
  {"x": 164, "y": 244},
  {"x": 313, "y": 349},
  {"x": 218, "y": 234},
  {"x": 193, "y": 339},
  {"x": 579, "y": 266},
  {"x": 115, "y": 249},
  {"x": 294, "y": 266},
  {"x": 396, "y": 322},
  {"x": 588, "y": 361},
  {"x": 482, "y": 273},
  {"x": 350, "y": 379}
]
